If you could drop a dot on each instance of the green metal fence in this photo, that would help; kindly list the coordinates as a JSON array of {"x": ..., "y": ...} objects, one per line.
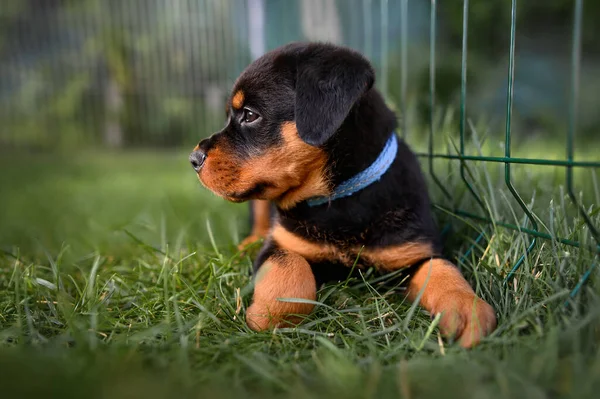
[
  {"x": 531, "y": 228},
  {"x": 160, "y": 70}
]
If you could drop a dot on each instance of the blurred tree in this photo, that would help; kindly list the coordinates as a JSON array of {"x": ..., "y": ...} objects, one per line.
[{"x": 117, "y": 56}]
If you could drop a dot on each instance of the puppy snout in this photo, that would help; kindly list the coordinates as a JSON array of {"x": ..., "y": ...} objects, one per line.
[{"x": 197, "y": 159}]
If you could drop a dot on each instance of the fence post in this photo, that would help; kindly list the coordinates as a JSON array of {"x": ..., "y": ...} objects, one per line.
[
  {"x": 432, "y": 41},
  {"x": 507, "y": 149},
  {"x": 403, "y": 63},
  {"x": 256, "y": 28}
]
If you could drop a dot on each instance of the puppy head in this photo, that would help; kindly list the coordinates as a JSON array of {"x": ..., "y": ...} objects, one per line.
[{"x": 282, "y": 110}]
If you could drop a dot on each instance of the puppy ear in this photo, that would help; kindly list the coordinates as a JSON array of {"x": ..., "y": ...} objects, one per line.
[{"x": 329, "y": 81}]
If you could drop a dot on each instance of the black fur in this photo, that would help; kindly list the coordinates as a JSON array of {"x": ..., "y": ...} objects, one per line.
[
  {"x": 328, "y": 92},
  {"x": 302, "y": 119},
  {"x": 328, "y": 83}
]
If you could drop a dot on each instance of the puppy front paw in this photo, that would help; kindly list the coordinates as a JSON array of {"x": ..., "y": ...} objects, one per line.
[
  {"x": 259, "y": 318},
  {"x": 248, "y": 241},
  {"x": 466, "y": 318}
]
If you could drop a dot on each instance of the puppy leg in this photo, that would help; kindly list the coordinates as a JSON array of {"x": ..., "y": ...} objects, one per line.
[
  {"x": 260, "y": 216},
  {"x": 283, "y": 274},
  {"x": 464, "y": 316}
]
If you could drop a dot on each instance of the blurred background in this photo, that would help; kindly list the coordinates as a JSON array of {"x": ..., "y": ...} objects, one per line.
[
  {"x": 101, "y": 101},
  {"x": 155, "y": 73}
]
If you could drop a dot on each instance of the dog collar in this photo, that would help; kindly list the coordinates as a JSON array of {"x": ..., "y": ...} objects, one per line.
[{"x": 364, "y": 178}]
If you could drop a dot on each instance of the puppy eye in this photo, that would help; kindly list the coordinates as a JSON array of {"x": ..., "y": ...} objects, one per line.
[{"x": 249, "y": 116}]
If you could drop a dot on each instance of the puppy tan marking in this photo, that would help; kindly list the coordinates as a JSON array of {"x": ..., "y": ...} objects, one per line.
[
  {"x": 309, "y": 250},
  {"x": 398, "y": 256},
  {"x": 386, "y": 258},
  {"x": 219, "y": 173},
  {"x": 289, "y": 173},
  {"x": 237, "y": 101},
  {"x": 283, "y": 275},
  {"x": 295, "y": 169},
  {"x": 310, "y": 172}
]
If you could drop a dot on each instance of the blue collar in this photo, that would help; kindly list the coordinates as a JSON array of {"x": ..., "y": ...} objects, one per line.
[{"x": 364, "y": 178}]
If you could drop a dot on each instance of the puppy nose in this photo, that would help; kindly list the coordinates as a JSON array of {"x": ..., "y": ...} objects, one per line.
[{"x": 197, "y": 159}]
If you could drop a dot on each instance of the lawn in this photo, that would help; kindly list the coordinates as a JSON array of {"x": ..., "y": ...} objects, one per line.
[{"x": 119, "y": 278}]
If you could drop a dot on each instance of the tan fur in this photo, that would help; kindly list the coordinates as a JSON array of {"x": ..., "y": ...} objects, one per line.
[
  {"x": 238, "y": 100},
  {"x": 295, "y": 171},
  {"x": 309, "y": 250},
  {"x": 398, "y": 256},
  {"x": 285, "y": 275},
  {"x": 387, "y": 258},
  {"x": 219, "y": 173}
]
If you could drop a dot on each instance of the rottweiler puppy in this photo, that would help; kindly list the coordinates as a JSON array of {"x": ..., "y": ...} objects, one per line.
[{"x": 307, "y": 131}]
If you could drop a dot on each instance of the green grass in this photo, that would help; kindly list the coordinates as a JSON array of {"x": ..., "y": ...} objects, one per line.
[{"x": 119, "y": 278}]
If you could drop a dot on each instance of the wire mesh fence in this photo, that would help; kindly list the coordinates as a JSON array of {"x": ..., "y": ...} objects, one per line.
[
  {"x": 531, "y": 227},
  {"x": 156, "y": 73}
]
